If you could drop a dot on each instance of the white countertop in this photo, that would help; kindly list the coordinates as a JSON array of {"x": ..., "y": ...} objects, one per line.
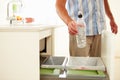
[{"x": 27, "y": 27}]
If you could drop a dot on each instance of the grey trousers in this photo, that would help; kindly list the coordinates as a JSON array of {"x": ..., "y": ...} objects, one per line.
[{"x": 92, "y": 49}]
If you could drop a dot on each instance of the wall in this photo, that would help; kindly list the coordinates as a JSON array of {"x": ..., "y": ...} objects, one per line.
[
  {"x": 29, "y": 9},
  {"x": 116, "y": 53},
  {"x": 116, "y": 12},
  {"x": 3, "y": 11},
  {"x": 41, "y": 10},
  {"x": 110, "y": 47}
]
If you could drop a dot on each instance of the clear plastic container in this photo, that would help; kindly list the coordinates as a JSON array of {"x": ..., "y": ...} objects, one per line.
[{"x": 81, "y": 36}]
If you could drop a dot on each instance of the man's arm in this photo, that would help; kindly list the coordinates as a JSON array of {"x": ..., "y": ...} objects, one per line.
[
  {"x": 110, "y": 16},
  {"x": 63, "y": 14}
]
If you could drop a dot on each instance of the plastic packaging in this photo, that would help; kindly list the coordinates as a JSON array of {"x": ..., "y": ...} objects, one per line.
[{"x": 81, "y": 36}]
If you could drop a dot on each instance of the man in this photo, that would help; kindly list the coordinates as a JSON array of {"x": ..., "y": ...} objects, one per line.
[{"x": 94, "y": 16}]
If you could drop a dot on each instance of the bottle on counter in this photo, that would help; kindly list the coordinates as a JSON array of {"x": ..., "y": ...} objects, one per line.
[{"x": 81, "y": 26}]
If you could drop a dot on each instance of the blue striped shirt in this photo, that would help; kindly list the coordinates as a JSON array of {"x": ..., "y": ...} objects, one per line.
[{"x": 93, "y": 12}]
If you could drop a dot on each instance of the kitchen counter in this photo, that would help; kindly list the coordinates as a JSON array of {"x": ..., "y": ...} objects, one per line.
[
  {"x": 20, "y": 50},
  {"x": 26, "y": 27}
]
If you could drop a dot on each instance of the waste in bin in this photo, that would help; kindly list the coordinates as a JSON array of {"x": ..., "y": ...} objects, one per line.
[{"x": 85, "y": 63}]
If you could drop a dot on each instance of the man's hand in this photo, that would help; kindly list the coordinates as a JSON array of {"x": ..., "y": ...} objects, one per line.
[
  {"x": 114, "y": 27},
  {"x": 72, "y": 27}
]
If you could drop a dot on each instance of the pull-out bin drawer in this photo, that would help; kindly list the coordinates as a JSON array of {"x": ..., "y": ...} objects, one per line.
[
  {"x": 85, "y": 63},
  {"x": 73, "y": 68}
]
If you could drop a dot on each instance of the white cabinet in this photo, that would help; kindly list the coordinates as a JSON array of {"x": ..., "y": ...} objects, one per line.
[
  {"x": 19, "y": 51},
  {"x": 19, "y": 56}
]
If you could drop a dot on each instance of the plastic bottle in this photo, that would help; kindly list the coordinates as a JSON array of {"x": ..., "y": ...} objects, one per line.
[{"x": 81, "y": 36}]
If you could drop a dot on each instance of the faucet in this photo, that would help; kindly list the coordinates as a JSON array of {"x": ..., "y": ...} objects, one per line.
[{"x": 13, "y": 7}]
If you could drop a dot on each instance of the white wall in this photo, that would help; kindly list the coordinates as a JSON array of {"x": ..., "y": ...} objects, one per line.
[
  {"x": 116, "y": 46},
  {"x": 110, "y": 41},
  {"x": 3, "y": 10},
  {"x": 41, "y": 10},
  {"x": 116, "y": 12}
]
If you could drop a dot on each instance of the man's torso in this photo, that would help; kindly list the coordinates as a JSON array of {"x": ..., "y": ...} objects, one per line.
[{"x": 93, "y": 12}]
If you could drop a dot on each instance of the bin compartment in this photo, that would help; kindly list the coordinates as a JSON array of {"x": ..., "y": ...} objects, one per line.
[
  {"x": 75, "y": 68},
  {"x": 54, "y": 62},
  {"x": 85, "y": 63}
]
